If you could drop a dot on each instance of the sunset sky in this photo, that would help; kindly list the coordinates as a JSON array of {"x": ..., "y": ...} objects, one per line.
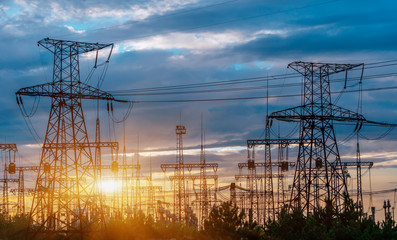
[{"x": 162, "y": 43}]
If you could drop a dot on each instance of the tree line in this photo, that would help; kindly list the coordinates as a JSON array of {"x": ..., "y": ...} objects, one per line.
[{"x": 227, "y": 222}]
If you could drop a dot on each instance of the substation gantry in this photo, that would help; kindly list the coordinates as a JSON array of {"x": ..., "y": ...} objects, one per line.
[
  {"x": 182, "y": 173},
  {"x": 8, "y": 152}
]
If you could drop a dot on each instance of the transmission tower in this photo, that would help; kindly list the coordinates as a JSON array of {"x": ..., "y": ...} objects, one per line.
[
  {"x": 319, "y": 174},
  {"x": 64, "y": 192}
]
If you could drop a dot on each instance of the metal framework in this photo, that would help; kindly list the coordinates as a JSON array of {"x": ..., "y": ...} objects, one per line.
[
  {"x": 64, "y": 199},
  {"x": 180, "y": 198},
  {"x": 8, "y": 152},
  {"x": 261, "y": 193},
  {"x": 319, "y": 175},
  {"x": 182, "y": 173},
  {"x": 359, "y": 188}
]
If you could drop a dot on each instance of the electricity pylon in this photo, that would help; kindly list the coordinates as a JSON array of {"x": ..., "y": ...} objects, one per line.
[
  {"x": 319, "y": 173},
  {"x": 64, "y": 192}
]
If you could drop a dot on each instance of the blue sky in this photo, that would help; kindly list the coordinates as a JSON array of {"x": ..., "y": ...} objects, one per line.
[{"x": 171, "y": 42}]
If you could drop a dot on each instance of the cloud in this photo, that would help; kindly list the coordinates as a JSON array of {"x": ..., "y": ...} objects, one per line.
[
  {"x": 138, "y": 11},
  {"x": 71, "y": 29},
  {"x": 199, "y": 42},
  {"x": 195, "y": 42},
  {"x": 100, "y": 14},
  {"x": 177, "y": 57}
]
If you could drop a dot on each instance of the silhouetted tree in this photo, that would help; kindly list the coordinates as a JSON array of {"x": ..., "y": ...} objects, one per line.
[{"x": 225, "y": 221}]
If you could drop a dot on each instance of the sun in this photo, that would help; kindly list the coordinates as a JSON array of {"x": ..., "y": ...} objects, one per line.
[{"x": 109, "y": 186}]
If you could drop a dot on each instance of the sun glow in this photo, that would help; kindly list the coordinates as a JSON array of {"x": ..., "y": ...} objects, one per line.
[{"x": 109, "y": 186}]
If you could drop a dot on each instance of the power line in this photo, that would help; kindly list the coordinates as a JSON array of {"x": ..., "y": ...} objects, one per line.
[
  {"x": 253, "y": 98},
  {"x": 249, "y": 87},
  {"x": 235, "y": 81},
  {"x": 217, "y": 83}
]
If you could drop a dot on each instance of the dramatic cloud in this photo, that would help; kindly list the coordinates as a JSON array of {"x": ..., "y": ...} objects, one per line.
[{"x": 196, "y": 42}]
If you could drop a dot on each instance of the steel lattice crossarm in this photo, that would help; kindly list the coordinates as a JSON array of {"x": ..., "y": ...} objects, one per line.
[
  {"x": 152, "y": 188},
  {"x": 381, "y": 191},
  {"x": 246, "y": 190},
  {"x": 26, "y": 190},
  {"x": 113, "y": 145},
  {"x": 9, "y": 147},
  {"x": 283, "y": 141},
  {"x": 25, "y": 168},
  {"x": 147, "y": 178},
  {"x": 346, "y": 164},
  {"x": 189, "y": 166},
  {"x": 333, "y": 112},
  {"x": 73, "y": 47},
  {"x": 129, "y": 166},
  {"x": 59, "y": 89},
  {"x": 262, "y": 164},
  {"x": 321, "y": 68},
  {"x": 256, "y": 176},
  {"x": 192, "y": 177},
  {"x": 36, "y": 168},
  {"x": 4, "y": 180},
  {"x": 122, "y": 166},
  {"x": 355, "y": 164}
]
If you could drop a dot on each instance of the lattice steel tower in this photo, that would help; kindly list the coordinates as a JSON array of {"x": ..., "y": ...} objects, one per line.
[
  {"x": 268, "y": 197},
  {"x": 319, "y": 174},
  {"x": 180, "y": 201},
  {"x": 204, "y": 198},
  {"x": 64, "y": 199}
]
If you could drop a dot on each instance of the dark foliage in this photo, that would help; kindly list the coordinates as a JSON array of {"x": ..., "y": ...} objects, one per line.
[
  {"x": 13, "y": 227},
  {"x": 227, "y": 222},
  {"x": 326, "y": 223}
]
